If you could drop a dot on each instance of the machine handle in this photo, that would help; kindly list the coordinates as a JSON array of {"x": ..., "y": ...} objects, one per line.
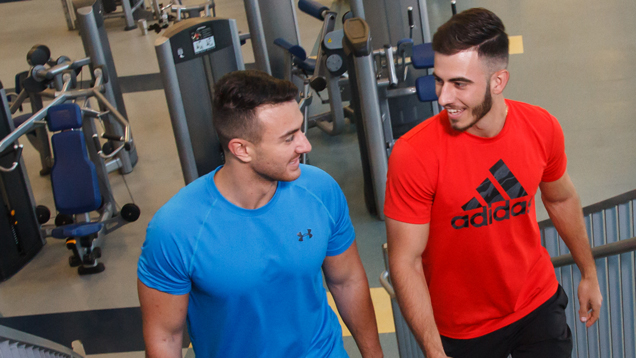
[
  {"x": 313, "y": 8},
  {"x": 454, "y": 7},
  {"x": 384, "y": 281},
  {"x": 409, "y": 10},
  {"x": 16, "y": 158},
  {"x": 113, "y": 137},
  {"x": 41, "y": 73},
  {"x": 127, "y": 138},
  {"x": 390, "y": 64},
  {"x": 98, "y": 145}
]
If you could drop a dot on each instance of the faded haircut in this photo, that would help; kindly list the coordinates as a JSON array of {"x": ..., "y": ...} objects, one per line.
[
  {"x": 237, "y": 95},
  {"x": 478, "y": 29}
]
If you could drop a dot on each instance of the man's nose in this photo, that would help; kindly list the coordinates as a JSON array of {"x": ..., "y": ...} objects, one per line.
[
  {"x": 445, "y": 94},
  {"x": 304, "y": 145}
]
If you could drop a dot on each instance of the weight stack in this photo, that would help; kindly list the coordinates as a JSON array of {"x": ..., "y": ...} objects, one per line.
[{"x": 20, "y": 237}]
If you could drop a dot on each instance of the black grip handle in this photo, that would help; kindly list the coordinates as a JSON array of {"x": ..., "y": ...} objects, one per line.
[
  {"x": 312, "y": 8},
  {"x": 454, "y": 7},
  {"x": 410, "y": 12},
  {"x": 113, "y": 137}
]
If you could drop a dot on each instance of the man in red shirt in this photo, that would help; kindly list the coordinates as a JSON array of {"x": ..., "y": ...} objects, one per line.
[{"x": 465, "y": 254}]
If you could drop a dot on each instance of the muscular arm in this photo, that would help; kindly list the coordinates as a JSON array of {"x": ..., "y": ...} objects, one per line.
[
  {"x": 348, "y": 284},
  {"x": 564, "y": 207},
  {"x": 164, "y": 317},
  {"x": 406, "y": 243}
]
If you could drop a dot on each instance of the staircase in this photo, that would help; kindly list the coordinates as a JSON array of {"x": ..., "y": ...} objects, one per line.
[{"x": 17, "y": 344}]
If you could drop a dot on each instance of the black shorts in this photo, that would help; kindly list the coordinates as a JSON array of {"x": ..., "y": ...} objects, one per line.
[{"x": 543, "y": 333}]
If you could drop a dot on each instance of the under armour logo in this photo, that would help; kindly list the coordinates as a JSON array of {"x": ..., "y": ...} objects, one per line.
[{"x": 301, "y": 235}]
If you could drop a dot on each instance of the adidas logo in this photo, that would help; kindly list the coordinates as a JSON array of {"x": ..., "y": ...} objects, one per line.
[{"x": 506, "y": 190}]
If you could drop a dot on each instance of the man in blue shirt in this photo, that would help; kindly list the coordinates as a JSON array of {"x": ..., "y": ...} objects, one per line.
[{"x": 237, "y": 254}]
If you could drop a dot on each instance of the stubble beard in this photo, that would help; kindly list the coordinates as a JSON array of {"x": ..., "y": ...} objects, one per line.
[{"x": 480, "y": 111}]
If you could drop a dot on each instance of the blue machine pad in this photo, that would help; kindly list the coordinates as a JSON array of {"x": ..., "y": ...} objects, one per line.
[
  {"x": 64, "y": 116},
  {"x": 423, "y": 56},
  {"x": 76, "y": 230},
  {"x": 425, "y": 88},
  {"x": 73, "y": 176}
]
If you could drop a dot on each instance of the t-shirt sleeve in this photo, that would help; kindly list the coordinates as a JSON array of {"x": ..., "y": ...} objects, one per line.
[
  {"x": 343, "y": 233},
  {"x": 557, "y": 160},
  {"x": 163, "y": 264},
  {"x": 411, "y": 185}
]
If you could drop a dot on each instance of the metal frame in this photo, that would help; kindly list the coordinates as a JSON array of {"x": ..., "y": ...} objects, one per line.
[
  {"x": 269, "y": 20},
  {"x": 126, "y": 13},
  {"x": 97, "y": 47},
  {"x": 610, "y": 227},
  {"x": 24, "y": 342}
]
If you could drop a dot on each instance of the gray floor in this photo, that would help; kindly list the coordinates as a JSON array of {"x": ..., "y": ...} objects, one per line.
[{"x": 579, "y": 61}]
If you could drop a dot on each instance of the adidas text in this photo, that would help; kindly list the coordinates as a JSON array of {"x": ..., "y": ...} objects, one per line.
[{"x": 490, "y": 214}]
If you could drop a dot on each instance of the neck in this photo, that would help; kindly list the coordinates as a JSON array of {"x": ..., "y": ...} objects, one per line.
[
  {"x": 241, "y": 186},
  {"x": 493, "y": 122}
]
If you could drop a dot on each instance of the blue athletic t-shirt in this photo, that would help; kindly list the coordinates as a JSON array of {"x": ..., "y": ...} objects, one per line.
[{"x": 254, "y": 276}]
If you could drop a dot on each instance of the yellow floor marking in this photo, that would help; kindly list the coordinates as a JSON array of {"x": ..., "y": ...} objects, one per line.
[
  {"x": 516, "y": 45},
  {"x": 382, "y": 307}
]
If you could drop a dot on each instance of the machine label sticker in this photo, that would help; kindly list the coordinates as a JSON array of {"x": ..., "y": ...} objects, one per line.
[{"x": 202, "y": 39}]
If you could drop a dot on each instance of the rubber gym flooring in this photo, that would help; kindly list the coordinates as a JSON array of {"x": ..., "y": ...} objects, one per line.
[{"x": 577, "y": 59}]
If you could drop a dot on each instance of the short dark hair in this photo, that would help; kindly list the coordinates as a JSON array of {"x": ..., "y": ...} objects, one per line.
[
  {"x": 236, "y": 97},
  {"x": 477, "y": 28}
]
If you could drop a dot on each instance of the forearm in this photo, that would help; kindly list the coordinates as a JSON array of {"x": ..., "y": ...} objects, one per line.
[
  {"x": 163, "y": 345},
  {"x": 356, "y": 309},
  {"x": 415, "y": 303},
  {"x": 567, "y": 217}
]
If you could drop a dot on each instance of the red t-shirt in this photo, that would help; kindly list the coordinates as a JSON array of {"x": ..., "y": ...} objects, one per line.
[{"x": 484, "y": 263}]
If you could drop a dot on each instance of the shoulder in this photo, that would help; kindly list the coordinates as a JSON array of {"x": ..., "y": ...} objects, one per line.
[
  {"x": 535, "y": 122},
  {"x": 532, "y": 113},
  {"x": 423, "y": 143},
  {"x": 315, "y": 184},
  {"x": 431, "y": 129},
  {"x": 184, "y": 208},
  {"x": 314, "y": 179}
]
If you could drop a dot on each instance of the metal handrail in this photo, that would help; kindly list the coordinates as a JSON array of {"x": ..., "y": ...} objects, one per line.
[
  {"x": 11, "y": 334},
  {"x": 614, "y": 248},
  {"x": 600, "y": 206}
]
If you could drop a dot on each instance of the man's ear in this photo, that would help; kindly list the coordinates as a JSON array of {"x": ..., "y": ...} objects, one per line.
[
  {"x": 498, "y": 81},
  {"x": 241, "y": 149}
]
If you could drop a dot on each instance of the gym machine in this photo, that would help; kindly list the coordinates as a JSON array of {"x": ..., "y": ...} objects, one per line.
[
  {"x": 79, "y": 181},
  {"x": 131, "y": 11},
  {"x": 20, "y": 236},
  {"x": 325, "y": 72},
  {"x": 269, "y": 20},
  {"x": 380, "y": 88},
  {"x": 164, "y": 13},
  {"x": 193, "y": 55},
  {"x": 95, "y": 41},
  {"x": 374, "y": 85},
  {"x": 97, "y": 47}
]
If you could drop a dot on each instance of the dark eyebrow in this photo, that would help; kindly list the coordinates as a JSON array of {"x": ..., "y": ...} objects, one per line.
[
  {"x": 290, "y": 132},
  {"x": 460, "y": 79},
  {"x": 456, "y": 79}
]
